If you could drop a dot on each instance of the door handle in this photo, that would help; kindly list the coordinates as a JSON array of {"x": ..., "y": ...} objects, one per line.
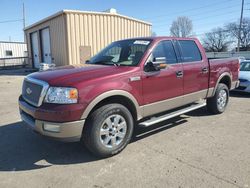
[
  {"x": 179, "y": 74},
  {"x": 204, "y": 70}
]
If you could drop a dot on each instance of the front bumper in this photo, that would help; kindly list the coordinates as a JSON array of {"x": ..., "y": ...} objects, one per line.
[
  {"x": 235, "y": 84},
  {"x": 244, "y": 87},
  {"x": 59, "y": 124},
  {"x": 68, "y": 132}
]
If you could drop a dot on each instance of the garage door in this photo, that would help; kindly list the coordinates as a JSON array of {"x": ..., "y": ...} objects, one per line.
[
  {"x": 45, "y": 40},
  {"x": 35, "y": 49}
]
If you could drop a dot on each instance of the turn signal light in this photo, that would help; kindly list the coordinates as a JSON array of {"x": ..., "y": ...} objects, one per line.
[{"x": 73, "y": 94}]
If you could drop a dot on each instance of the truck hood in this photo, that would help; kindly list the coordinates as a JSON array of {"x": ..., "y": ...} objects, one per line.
[
  {"x": 73, "y": 74},
  {"x": 244, "y": 75}
]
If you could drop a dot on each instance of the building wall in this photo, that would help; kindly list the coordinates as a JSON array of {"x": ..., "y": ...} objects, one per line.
[
  {"x": 97, "y": 30},
  {"x": 18, "y": 49},
  {"x": 58, "y": 43},
  {"x": 76, "y": 35}
]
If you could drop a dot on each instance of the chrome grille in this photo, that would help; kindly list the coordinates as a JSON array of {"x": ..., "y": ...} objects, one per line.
[{"x": 34, "y": 91}]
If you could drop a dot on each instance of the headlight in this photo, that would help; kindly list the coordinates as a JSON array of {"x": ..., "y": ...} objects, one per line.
[{"x": 61, "y": 95}]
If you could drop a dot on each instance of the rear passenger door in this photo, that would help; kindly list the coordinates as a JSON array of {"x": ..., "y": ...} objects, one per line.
[{"x": 195, "y": 71}]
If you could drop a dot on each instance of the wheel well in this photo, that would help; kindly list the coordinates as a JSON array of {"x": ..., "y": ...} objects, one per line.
[
  {"x": 227, "y": 81},
  {"x": 120, "y": 100}
]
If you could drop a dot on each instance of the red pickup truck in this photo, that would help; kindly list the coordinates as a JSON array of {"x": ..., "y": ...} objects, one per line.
[{"x": 133, "y": 82}]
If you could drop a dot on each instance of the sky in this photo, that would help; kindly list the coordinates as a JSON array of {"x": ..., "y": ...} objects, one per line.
[{"x": 205, "y": 15}]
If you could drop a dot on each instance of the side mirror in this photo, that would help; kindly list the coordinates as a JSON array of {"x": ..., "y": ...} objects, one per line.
[{"x": 157, "y": 64}]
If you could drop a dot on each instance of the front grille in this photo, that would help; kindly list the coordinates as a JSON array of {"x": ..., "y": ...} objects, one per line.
[{"x": 33, "y": 91}]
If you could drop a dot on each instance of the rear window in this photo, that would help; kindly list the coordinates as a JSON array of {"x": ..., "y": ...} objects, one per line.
[{"x": 190, "y": 51}]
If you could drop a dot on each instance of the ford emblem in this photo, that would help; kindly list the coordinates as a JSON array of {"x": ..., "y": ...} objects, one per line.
[{"x": 28, "y": 91}]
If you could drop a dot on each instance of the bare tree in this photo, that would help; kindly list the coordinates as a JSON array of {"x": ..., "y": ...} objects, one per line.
[
  {"x": 181, "y": 27},
  {"x": 233, "y": 30},
  {"x": 153, "y": 34},
  {"x": 217, "y": 40}
]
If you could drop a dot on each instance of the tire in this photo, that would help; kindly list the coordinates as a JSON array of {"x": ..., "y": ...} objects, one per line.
[
  {"x": 100, "y": 137},
  {"x": 218, "y": 103}
]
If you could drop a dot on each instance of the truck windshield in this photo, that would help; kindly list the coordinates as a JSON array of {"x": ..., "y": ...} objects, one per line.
[
  {"x": 245, "y": 66},
  {"x": 124, "y": 53}
]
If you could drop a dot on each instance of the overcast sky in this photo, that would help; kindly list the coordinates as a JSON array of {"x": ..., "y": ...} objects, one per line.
[{"x": 204, "y": 14}]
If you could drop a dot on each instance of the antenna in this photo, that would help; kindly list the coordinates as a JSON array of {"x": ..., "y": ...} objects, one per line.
[
  {"x": 24, "y": 39},
  {"x": 241, "y": 17}
]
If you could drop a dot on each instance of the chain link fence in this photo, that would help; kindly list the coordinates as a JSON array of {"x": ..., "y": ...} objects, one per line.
[{"x": 13, "y": 62}]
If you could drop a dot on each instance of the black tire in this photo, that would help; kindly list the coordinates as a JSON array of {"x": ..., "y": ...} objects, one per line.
[
  {"x": 91, "y": 132},
  {"x": 212, "y": 103}
]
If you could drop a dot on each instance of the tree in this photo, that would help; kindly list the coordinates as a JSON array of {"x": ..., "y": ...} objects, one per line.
[
  {"x": 153, "y": 34},
  {"x": 181, "y": 27},
  {"x": 217, "y": 40},
  {"x": 233, "y": 30}
]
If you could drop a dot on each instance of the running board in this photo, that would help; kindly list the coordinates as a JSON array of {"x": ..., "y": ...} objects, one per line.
[{"x": 164, "y": 117}]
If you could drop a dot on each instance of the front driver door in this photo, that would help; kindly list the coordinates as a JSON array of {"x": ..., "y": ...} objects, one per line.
[{"x": 163, "y": 89}]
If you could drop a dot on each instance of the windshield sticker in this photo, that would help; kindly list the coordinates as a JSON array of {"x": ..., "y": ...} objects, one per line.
[{"x": 143, "y": 42}]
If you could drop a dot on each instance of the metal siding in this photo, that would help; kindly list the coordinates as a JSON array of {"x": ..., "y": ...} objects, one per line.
[
  {"x": 85, "y": 30},
  {"x": 98, "y": 33},
  {"x": 17, "y": 49},
  {"x": 75, "y": 29},
  {"x": 94, "y": 33},
  {"x": 101, "y": 32},
  {"x": 68, "y": 37},
  {"x": 57, "y": 39},
  {"x": 77, "y": 39}
]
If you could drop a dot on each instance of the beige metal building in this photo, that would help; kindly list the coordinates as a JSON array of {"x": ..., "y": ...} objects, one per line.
[{"x": 71, "y": 37}]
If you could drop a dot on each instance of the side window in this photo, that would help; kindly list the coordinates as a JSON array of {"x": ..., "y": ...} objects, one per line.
[
  {"x": 165, "y": 50},
  {"x": 115, "y": 53},
  {"x": 136, "y": 52},
  {"x": 190, "y": 51}
]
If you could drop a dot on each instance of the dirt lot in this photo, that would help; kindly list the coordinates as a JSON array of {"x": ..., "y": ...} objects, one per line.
[{"x": 194, "y": 150}]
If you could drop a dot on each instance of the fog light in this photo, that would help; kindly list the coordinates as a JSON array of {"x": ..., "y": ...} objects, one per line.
[{"x": 51, "y": 128}]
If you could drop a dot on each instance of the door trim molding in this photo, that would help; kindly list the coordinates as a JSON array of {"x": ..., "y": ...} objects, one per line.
[{"x": 161, "y": 106}]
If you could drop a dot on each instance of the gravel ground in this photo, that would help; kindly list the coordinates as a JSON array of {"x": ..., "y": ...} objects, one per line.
[{"x": 194, "y": 150}]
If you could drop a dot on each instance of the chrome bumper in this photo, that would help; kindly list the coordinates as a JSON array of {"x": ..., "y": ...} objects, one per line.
[
  {"x": 68, "y": 132},
  {"x": 235, "y": 84},
  {"x": 243, "y": 87}
]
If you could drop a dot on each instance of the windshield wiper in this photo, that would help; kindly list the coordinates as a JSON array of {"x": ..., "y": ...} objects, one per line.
[
  {"x": 99, "y": 62},
  {"x": 105, "y": 63},
  {"x": 117, "y": 64}
]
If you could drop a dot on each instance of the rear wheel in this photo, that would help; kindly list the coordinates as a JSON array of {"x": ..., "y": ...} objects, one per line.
[
  {"x": 218, "y": 103},
  {"x": 108, "y": 130}
]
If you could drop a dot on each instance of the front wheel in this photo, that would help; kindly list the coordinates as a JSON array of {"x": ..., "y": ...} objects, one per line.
[
  {"x": 218, "y": 103},
  {"x": 108, "y": 130}
]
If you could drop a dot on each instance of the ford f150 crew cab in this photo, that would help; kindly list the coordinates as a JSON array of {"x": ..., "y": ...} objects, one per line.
[{"x": 133, "y": 82}]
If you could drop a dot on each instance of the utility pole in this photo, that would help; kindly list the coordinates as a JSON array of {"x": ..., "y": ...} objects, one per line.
[
  {"x": 240, "y": 27},
  {"x": 24, "y": 39}
]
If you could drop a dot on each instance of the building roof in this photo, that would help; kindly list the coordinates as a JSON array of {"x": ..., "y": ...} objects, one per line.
[
  {"x": 83, "y": 12},
  {"x": 17, "y": 42}
]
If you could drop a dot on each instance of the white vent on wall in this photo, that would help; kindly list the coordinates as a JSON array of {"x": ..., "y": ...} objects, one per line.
[{"x": 111, "y": 10}]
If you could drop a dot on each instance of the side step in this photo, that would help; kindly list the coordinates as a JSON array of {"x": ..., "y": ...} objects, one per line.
[{"x": 164, "y": 117}]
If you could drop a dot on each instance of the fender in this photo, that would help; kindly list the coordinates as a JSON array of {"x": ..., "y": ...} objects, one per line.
[
  {"x": 220, "y": 78},
  {"x": 111, "y": 93}
]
